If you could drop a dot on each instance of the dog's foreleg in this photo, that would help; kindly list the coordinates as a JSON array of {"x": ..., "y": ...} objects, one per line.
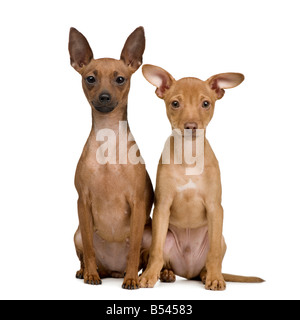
[
  {"x": 137, "y": 226},
  {"x": 91, "y": 275},
  {"x": 160, "y": 225},
  {"x": 214, "y": 278}
]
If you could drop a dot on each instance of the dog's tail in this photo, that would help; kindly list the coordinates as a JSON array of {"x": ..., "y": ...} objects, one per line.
[{"x": 234, "y": 278}]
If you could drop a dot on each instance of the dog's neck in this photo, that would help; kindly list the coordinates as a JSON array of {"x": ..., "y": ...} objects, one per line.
[
  {"x": 108, "y": 120},
  {"x": 101, "y": 133},
  {"x": 183, "y": 147},
  {"x": 187, "y": 153}
]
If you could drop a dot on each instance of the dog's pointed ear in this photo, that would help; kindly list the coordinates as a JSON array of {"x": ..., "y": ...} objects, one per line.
[
  {"x": 158, "y": 77},
  {"x": 132, "y": 53},
  {"x": 81, "y": 53},
  {"x": 223, "y": 81}
]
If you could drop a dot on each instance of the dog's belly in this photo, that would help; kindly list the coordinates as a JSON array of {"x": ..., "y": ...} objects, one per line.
[
  {"x": 111, "y": 256},
  {"x": 186, "y": 250}
]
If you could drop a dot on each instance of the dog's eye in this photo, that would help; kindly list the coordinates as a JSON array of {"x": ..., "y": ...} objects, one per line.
[
  {"x": 175, "y": 104},
  {"x": 90, "y": 80},
  {"x": 120, "y": 80},
  {"x": 206, "y": 104}
]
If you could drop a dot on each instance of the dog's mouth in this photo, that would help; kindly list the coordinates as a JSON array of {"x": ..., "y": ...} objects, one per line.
[
  {"x": 191, "y": 133},
  {"x": 105, "y": 108}
]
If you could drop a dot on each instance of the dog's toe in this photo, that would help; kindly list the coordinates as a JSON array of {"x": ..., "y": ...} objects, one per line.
[
  {"x": 216, "y": 285},
  {"x": 167, "y": 276},
  {"x": 130, "y": 284},
  {"x": 148, "y": 279},
  {"x": 92, "y": 279},
  {"x": 79, "y": 274}
]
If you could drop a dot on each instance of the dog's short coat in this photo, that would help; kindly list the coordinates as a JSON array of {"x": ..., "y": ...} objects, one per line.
[
  {"x": 188, "y": 215},
  {"x": 115, "y": 200}
]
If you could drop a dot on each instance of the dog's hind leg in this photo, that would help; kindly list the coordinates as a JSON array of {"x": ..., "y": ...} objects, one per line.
[
  {"x": 167, "y": 275},
  {"x": 79, "y": 251},
  {"x": 80, "y": 273}
]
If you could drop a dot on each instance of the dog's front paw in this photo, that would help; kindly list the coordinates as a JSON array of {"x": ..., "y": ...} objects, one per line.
[
  {"x": 130, "y": 283},
  {"x": 215, "y": 283},
  {"x": 92, "y": 278},
  {"x": 148, "y": 279}
]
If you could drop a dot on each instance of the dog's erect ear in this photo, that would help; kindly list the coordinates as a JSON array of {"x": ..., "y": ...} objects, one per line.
[
  {"x": 159, "y": 77},
  {"x": 80, "y": 51},
  {"x": 132, "y": 53},
  {"x": 223, "y": 81}
]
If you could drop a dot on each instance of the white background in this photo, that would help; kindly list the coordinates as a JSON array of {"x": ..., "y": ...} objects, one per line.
[{"x": 45, "y": 120}]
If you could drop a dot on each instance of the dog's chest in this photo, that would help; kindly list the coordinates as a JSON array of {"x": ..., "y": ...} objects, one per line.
[
  {"x": 188, "y": 210},
  {"x": 107, "y": 189},
  {"x": 106, "y": 180},
  {"x": 190, "y": 185},
  {"x": 110, "y": 208}
]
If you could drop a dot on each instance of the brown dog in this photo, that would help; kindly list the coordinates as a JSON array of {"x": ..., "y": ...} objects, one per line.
[
  {"x": 115, "y": 199},
  {"x": 188, "y": 215}
]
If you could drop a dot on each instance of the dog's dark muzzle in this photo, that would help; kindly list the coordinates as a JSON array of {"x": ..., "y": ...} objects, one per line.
[
  {"x": 104, "y": 104},
  {"x": 105, "y": 109}
]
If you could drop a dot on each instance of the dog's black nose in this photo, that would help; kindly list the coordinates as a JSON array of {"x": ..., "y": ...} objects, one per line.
[
  {"x": 105, "y": 98},
  {"x": 191, "y": 126}
]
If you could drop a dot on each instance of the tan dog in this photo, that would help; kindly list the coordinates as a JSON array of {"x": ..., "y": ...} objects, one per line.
[
  {"x": 115, "y": 199},
  {"x": 188, "y": 215}
]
